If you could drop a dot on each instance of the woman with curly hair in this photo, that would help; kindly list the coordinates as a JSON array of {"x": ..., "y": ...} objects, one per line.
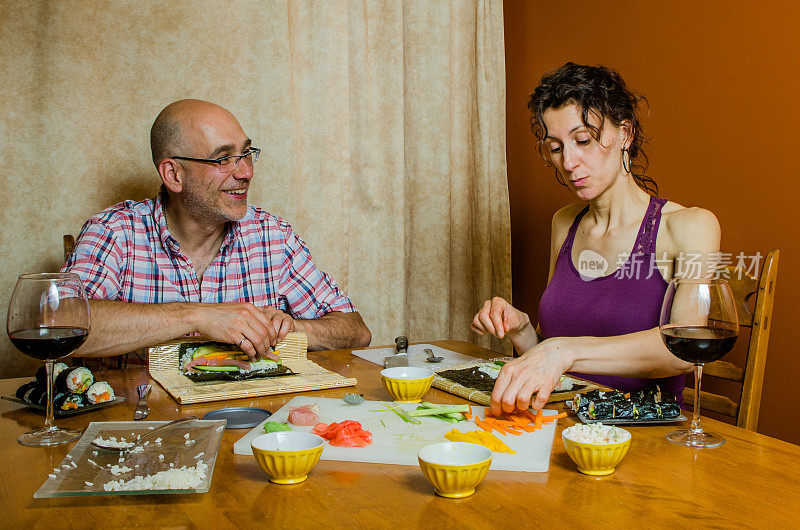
[{"x": 612, "y": 254}]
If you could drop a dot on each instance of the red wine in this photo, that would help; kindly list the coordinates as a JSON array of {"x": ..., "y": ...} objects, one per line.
[
  {"x": 48, "y": 343},
  {"x": 698, "y": 344}
]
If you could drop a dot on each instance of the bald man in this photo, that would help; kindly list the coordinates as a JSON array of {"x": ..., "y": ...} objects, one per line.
[{"x": 198, "y": 259}]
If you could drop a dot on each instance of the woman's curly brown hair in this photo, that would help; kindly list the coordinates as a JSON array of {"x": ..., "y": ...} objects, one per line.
[{"x": 598, "y": 90}]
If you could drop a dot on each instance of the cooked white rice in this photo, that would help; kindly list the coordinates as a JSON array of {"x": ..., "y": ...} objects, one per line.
[
  {"x": 596, "y": 433},
  {"x": 113, "y": 443},
  {"x": 182, "y": 478},
  {"x": 490, "y": 369}
]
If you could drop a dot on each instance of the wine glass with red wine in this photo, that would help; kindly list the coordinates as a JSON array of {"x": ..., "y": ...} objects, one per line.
[
  {"x": 698, "y": 324},
  {"x": 48, "y": 318}
]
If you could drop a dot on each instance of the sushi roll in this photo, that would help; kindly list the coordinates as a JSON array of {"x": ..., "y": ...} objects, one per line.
[
  {"x": 74, "y": 380},
  {"x": 37, "y": 395},
  {"x": 99, "y": 392},
  {"x": 65, "y": 401},
  {"x": 24, "y": 389},
  {"x": 41, "y": 373}
]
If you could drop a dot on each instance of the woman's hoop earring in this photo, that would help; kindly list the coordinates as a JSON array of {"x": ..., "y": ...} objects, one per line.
[{"x": 626, "y": 167}]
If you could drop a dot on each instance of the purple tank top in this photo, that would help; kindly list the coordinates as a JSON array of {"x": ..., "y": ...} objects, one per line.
[{"x": 626, "y": 301}]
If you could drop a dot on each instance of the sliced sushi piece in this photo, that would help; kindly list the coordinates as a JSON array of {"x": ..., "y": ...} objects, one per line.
[
  {"x": 24, "y": 389},
  {"x": 74, "y": 380},
  {"x": 41, "y": 373},
  {"x": 68, "y": 401},
  {"x": 99, "y": 392},
  {"x": 37, "y": 395}
]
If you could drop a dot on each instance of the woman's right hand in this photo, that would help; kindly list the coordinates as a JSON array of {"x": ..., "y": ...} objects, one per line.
[{"x": 497, "y": 317}]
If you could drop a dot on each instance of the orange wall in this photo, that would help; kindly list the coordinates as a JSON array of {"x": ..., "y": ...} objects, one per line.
[{"x": 723, "y": 83}]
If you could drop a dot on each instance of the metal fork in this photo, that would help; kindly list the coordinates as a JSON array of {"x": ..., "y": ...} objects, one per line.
[{"x": 142, "y": 410}]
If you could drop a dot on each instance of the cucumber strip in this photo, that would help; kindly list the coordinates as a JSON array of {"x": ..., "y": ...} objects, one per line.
[
  {"x": 403, "y": 414},
  {"x": 456, "y": 416},
  {"x": 441, "y": 409},
  {"x": 216, "y": 368},
  {"x": 446, "y": 418}
]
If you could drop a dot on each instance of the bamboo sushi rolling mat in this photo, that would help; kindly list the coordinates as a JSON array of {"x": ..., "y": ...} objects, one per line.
[
  {"x": 164, "y": 368},
  {"x": 485, "y": 398}
]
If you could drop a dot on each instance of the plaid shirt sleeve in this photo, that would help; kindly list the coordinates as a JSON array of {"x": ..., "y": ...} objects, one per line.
[
  {"x": 309, "y": 292},
  {"x": 97, "y": 258}
]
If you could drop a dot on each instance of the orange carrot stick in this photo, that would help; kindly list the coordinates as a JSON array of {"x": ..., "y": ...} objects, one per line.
[
  {"x": 537, "y": 422},
  {"x": 483, "y": 425},
  {"x": 502, "y": 428},
  {"x": 520, "y": 418},
  {"x": 548, "y": 419}
]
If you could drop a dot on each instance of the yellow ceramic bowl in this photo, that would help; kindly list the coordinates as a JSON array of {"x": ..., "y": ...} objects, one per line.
[
  {"x": 596, "y": 458},
  {"x": 454, "y": 468},
  {"x": 287, "y": 456},
  {"x": 407, "y": 384}
]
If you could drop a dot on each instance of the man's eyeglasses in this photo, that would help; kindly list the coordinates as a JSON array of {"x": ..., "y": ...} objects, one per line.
[{"x": 229, "y": 162}]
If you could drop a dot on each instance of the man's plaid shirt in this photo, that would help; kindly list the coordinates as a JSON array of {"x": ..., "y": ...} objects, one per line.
[{"x": 126, "y": 253}]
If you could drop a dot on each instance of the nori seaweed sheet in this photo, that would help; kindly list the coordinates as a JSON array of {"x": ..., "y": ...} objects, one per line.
[
  {"x": 475, "y": 378},
  {"x": 198, "y": 377},
  {"x": 470, "y": 378},
  {"x": 202, "y": 377}
]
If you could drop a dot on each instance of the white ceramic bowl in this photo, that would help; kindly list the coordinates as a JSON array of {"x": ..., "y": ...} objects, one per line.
[
  {"x": 454, "y": 468},
  {"x": 287, "y": 456}
]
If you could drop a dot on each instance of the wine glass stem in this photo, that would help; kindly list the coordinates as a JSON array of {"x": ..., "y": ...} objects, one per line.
[
  {"x": 698, "y": 375},
  {"x": 48, "y": 421}
]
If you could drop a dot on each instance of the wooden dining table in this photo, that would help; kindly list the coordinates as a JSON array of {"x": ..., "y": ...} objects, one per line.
[{"x": 750, "y": 482}]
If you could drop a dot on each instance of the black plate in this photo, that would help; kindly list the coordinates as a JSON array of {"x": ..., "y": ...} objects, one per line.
[
  {"x": 63, "y": 413},
  {"x": 629, "y": 421}
]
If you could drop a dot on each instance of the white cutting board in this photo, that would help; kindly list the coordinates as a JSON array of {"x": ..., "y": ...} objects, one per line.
[
  {"x": 416, "y": 357},
  {"x": 397, "y": 442}
]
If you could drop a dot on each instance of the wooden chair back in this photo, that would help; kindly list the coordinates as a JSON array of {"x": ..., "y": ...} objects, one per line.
[{"x": 759, "y": 321}]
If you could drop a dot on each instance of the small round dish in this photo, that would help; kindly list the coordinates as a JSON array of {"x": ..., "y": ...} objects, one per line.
[
  {"x": 239, "y": 417},
  {"x": 595, "y": 458},
  {"x": 454, "y": 469},
  {"x": 407, "y": 384},
  {"x": 287, "y": 456}
]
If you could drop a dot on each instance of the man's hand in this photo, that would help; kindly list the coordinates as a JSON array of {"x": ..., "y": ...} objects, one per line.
[
  {"x": 497, "y": 317},
  {"x": 281, "y": 322},
  {"x": 242, "y": 324}
]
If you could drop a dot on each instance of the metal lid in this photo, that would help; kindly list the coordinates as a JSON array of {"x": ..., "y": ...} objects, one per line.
[{"x": 239, "y": 417}]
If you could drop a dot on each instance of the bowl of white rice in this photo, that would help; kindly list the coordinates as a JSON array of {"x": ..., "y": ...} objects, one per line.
[{"x": 596, "y": 448}]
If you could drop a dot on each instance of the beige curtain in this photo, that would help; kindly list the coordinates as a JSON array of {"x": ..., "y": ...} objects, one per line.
[{"x": 382, "y": 126}]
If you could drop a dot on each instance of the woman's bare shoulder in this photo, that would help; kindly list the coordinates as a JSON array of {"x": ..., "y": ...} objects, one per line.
[
  {"x": 691, "y": 228},
  {"x": 565, "y": 215},
  {"x": 562, "y": 220}
]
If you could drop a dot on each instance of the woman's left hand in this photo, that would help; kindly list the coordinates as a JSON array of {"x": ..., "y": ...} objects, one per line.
[{"x": 537, "y": 371}]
